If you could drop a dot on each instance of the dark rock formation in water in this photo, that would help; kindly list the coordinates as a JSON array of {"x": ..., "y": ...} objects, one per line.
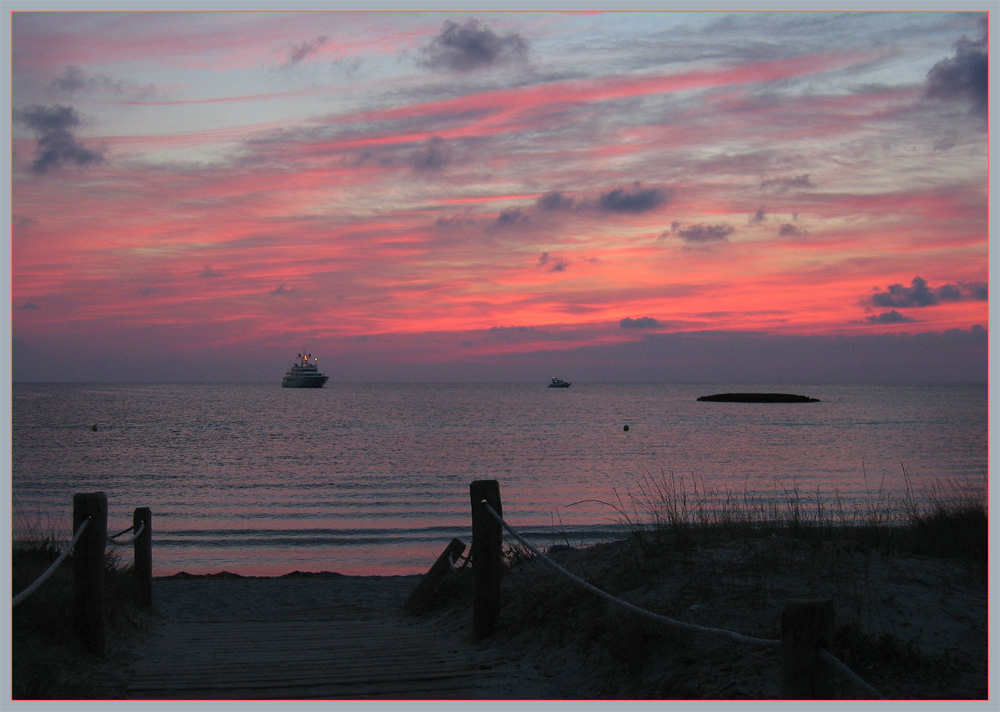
[{"x": 758, "y": 398}]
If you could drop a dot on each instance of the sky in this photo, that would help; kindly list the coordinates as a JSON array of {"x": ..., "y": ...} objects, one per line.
[{"x": 500, "y": 196}]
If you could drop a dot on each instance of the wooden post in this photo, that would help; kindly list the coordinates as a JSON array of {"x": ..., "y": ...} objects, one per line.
[
  {"x": 143, "y": 548},
  {"x": 487, "y": 564},
  {"x": 88, "y": 568},
  {"x": 806, "y": 626},
  {"x": 422, "y": 594}
]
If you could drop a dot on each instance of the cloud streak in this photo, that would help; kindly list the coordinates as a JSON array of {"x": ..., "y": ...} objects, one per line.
[
  {"x": 703, "y": 233},
  {"x": 782, "y": 184},
  {"x": 241, "y": 181}
]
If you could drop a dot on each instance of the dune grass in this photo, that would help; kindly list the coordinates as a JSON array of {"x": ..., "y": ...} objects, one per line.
[
  {"x": 48, "y": 659},
  {"x": 947, "y": 519}
]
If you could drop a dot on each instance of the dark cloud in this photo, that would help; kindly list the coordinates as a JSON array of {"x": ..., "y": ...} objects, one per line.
[
  {"x": 704, "y": 233},
  {"x": 635, "y": 199},
  {"x": 967, "y": 291},
  {"x": 57, "y": 145},
  {"x": 889, "y": 317},
  {"x": 643, "y": 322},
  {"x": 300, "y": 50},
  {"x": 471, "y": 46},
  {"x": 71, "y": 80},
  {"x": 789, "y": 230},
  {"x": 759, "y": 216},
  {"x": 916, "y": 295},
  {"x": 780, "y": 185},
  {"x": 29, "y": 305},
  {"x": 553, "y": 264},
  {"x": 283, "y": 290},
  {"x": 511, "y": 216},
  {"x": 433, "y": 156},
  {"x": 555, "y": 201},
  {"x": 919, "y": 294},
  {"x": 208, "y": 272},
  {"x": 965, "y": 77},
  {"x": 74, "y": 80}
]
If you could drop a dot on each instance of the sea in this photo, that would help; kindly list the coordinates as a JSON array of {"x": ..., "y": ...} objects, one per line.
[{"x": 373, "y": 479}]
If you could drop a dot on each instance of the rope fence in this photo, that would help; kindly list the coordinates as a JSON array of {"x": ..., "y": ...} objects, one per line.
[
  {"x": 90, "y": 527},
  {"x": 806, "y": 626},
  {"x": 772, "y": 642}
]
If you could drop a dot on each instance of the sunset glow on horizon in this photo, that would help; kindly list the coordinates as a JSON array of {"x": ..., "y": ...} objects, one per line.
[{"x": 494, "y": 196}]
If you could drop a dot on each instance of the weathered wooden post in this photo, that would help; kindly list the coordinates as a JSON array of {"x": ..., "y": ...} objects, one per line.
[
  {"x": 88, "y": 568},
  {"x": 806, "y": 626},
  {"x": 142, "y": 546},
  {"x": 487, "y": 564},
  {"x": 424, "y": 592}
]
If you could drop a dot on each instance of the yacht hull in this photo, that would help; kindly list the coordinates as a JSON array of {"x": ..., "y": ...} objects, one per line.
[{"x": 305, "y": 382}]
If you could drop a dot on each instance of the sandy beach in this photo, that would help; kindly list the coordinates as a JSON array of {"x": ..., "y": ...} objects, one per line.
[
  {"x": 233, "y": 604},
  {"x": 913, "y": 627}
]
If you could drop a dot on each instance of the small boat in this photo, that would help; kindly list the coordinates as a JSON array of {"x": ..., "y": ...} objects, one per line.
[
  {"x": 559, "y": 383},
  {"x": 304, "y": 373}
]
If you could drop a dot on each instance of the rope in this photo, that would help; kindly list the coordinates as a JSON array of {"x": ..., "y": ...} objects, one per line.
[
  {"x": 625, "y": 604},
  {"x": 55, "y": 564},
  {"x": 829, "y": 657},
  {"x": 123, "y": 531},
  {"x": 130, "y": 540}
]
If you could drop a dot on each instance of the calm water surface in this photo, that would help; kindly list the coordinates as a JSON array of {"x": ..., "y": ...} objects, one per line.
[{"x": 373, "y": 478}]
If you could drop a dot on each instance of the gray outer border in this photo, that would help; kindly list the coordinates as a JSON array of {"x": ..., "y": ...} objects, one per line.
[{"x": 989, "y": 6}]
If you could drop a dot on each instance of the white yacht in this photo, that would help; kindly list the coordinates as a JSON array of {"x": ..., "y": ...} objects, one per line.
[{"x": 304, "y": 373}]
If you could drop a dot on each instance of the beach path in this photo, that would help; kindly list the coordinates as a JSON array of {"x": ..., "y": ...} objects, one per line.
[{"x": 315, "y": 637}]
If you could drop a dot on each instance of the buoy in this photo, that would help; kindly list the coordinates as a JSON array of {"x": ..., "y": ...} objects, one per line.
[
  {"x": 94, "y": 427},
  {"x": 626, "y": 428}
]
